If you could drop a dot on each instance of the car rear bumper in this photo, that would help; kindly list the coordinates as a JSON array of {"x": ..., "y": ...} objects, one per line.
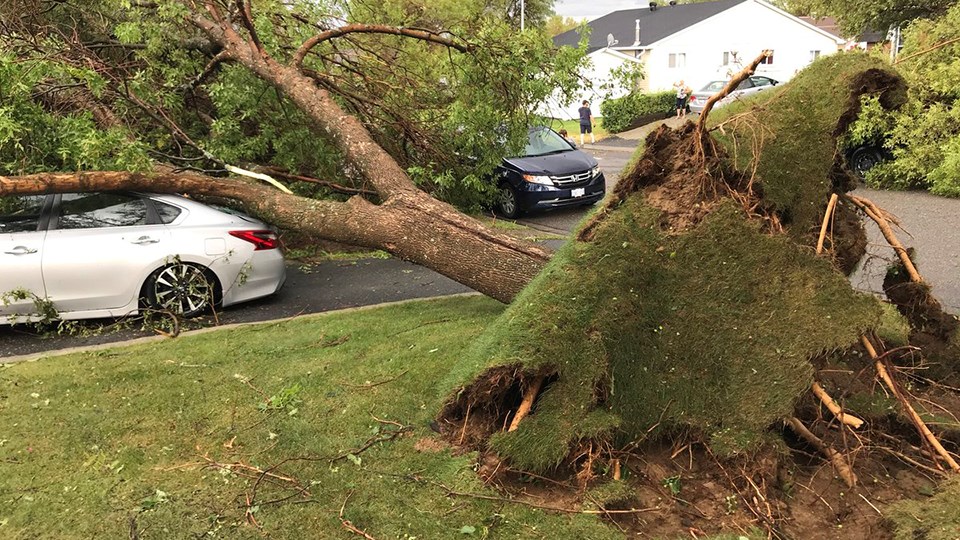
[
  {"x": 263, "y": 275},
  {"x": 534, "y": 197}
]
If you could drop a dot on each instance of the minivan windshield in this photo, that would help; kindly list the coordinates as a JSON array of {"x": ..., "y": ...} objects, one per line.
[{"x": 542, "y": 141}]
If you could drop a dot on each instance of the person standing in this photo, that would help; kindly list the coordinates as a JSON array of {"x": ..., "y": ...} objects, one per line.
[
  {"x": 586, "y": 122},
  {"x": 682, "y": 93}
]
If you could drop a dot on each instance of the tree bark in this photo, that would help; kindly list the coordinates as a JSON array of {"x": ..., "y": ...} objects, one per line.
[{"x": 416, "y": 228}]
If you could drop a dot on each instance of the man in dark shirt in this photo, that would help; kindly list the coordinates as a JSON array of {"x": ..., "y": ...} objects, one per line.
[{"x": 586, "y": 122}]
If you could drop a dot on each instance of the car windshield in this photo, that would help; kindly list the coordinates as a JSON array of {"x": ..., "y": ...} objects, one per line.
[
  {"x": 714, "y": 86},
  {"x": 544, "y": 141}
]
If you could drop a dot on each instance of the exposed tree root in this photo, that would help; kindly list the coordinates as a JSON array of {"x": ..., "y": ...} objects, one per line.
[
  {"x": 918, "y": 422},
  {"x": 528, "y": 396},
  {"x": 878, "y": 215},
  {"x": 730, "y": 87},
  {"x": 498, "y": 401},
  {"x": 836, "y": 459},
  {"x": 827, "y": 217},
  {"x": 832, "y": 406}
]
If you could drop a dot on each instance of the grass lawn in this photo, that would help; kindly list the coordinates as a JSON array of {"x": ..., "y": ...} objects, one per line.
[
  {"x": 573, "y": 129},
  {"x": 217, "y": 434}
]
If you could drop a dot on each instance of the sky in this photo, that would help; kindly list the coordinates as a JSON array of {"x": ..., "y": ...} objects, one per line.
[{"x": 592, "y": 9}]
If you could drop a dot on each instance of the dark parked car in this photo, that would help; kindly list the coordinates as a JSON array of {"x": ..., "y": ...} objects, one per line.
[{"x": 551, "y": 173}]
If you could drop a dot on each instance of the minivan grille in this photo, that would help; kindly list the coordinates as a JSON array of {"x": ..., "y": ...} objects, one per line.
[{"x": 572, "y": 178}]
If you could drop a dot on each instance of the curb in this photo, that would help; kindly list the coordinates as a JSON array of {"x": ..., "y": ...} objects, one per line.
[{"x": 33, "y": 357}]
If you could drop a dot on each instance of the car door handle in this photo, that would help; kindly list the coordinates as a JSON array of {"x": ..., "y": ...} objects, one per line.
[
  {"x": 20, "y": 250},
  {"x": 144, "y": 240}
]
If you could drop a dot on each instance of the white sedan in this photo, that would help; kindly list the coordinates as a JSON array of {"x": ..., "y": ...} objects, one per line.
[
  {"x": 747, "y": 87},
  {"x": 106, "y": 254}
]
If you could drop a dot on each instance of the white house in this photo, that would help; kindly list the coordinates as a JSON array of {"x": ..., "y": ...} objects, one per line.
[{"x": 697, "y": 43}]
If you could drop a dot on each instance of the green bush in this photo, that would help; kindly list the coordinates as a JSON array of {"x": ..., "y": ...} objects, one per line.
[
  {"x": 923, "y": 137},
  {"x": 619, "y": 114}
]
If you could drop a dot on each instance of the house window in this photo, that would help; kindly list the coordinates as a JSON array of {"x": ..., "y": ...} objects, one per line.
[
  {"x": 769, "y": 59},
  {"x": 814, "y": 55},
  {"x": 677, "y": 60},
  {"x": 730, "y": 57}
]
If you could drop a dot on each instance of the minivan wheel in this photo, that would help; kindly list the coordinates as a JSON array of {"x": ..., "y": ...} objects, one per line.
[
  {"x": 186, "y": 290},
  {"x": 864, "y": 159},
  {"x": 507, "y": 203}
]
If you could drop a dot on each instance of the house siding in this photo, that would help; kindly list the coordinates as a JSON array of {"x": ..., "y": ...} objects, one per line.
[
  {"x": 747, "y": 28},
  {"x": 602, "y": 62}
]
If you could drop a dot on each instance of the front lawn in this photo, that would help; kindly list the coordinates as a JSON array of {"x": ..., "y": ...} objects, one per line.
[
  {"x": 300, "y": 429},
  {"x": 573, "y": 130}
]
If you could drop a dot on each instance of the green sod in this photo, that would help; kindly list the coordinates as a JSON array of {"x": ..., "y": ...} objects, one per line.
[{"x": 711, "y": 330}]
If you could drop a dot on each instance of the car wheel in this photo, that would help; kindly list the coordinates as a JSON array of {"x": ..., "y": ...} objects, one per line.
[
  {"x": 507, "y": 202},
  {"x": 186, "y": 290},
  {"x": 863, "y": 159}
]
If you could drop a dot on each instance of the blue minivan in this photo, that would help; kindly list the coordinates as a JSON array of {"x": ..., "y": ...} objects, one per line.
[{"x": 551, "y": 173}]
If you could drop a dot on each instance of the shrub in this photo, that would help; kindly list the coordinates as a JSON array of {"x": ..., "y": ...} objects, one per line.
[
  {"x": 923, "y": 137},
  {"x": 621, "y": 114}
]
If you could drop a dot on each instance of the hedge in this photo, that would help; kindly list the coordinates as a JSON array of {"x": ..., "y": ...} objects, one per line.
[{"x": 621, "y": 114}]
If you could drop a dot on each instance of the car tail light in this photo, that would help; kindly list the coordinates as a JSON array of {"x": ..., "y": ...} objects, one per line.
[{"x": 260, "y": 239}]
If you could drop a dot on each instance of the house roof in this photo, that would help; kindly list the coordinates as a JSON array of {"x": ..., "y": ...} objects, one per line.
[
  {"x": 655, "y": 24},
  {"x": 829, "y": 24}
]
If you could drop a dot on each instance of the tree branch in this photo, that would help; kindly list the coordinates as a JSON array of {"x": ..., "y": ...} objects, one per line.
[
  {"x": 246, "y": 18},
  {"x": 730, "y": 87},
  {"x": 424, "y": 35}
]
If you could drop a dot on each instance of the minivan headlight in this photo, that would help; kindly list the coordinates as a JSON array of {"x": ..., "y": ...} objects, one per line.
[{"x": 538, "y": 179}]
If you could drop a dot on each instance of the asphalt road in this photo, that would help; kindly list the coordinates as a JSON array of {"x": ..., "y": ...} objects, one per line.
[{"x": 933, "y": 224}]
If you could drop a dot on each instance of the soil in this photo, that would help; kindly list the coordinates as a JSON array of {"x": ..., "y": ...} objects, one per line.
[{"x": 686, "y": 491}]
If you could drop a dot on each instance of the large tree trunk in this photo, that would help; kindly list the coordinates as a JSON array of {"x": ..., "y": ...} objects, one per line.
[{"x": 415, "y": 227}]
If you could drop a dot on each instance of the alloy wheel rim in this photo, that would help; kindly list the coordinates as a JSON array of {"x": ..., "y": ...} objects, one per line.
[
  {"x": 507, "y": 202},
  {"x": 182, "y": 288}
]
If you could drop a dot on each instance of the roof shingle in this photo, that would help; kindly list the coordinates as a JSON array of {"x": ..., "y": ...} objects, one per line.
[{"x": 655, "y": 24}]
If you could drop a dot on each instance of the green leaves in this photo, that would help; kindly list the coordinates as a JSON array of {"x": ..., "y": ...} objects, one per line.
[
  {"x": 924, "y": 136},
  {"x": 33, "y": 139},
  {"x": 287, "y": 398},
  {"x": 156, "y": 499}
]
